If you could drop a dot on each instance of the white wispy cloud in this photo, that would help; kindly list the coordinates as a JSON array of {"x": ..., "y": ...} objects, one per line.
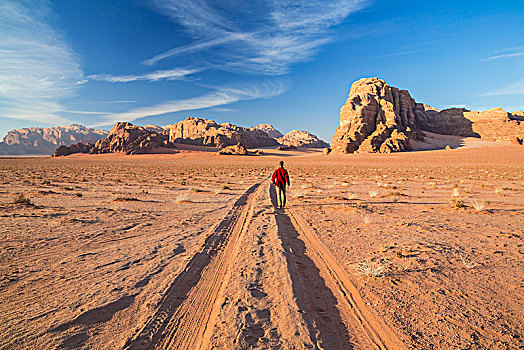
[
  {"x": 259, "y": 37},
  {"x": 514, "y": 88},
  {"x": 37, "y": 67},
  {"x": 172, "y": 74},
  {"x": 508, "y": 52},
  {"x": 508, "y": 55},
  {"x": 219, "y": 97}
]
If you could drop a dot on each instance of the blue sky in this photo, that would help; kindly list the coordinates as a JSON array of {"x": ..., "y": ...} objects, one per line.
[{"x": 288, "y": 63}]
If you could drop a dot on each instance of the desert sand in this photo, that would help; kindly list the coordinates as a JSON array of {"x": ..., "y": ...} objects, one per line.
[{"x": 414, "y": 250}]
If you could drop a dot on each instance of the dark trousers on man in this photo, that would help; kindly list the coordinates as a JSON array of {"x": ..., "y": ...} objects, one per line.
[{"x": 281, "y": 196}]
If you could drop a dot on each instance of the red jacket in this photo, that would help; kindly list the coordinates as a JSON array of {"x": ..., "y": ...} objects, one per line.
[{"x": 280, "y": 177}]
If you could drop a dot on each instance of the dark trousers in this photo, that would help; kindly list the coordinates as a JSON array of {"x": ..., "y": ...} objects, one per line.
[{"x": 281, "y": 196}]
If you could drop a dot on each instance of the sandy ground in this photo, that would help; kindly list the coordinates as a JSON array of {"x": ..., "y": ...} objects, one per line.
[{"x": 186, "y": 251}]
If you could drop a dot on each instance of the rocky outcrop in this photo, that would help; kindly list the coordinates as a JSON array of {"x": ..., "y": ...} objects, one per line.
[
  {"x": 498, "y": 125},
  {"x": 375, "y": 118},
  {"x": 269, "y": 130},
  {"x": 299, "y": 138},
  {"x": 156, "y": 129},
  {"x": 46, "y": 140},
  {"x": 287, "y": 148},
  {"x": 205, "y": 132},
  {"x": 447, "y": 122},
  {"x": 76, "y": 148},
  {"x": 238, "y": 149},
  {"x": 131, "y": 139},
  {"x": 379, "y": 118}
]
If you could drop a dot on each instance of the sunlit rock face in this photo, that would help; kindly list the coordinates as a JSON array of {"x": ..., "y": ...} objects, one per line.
[
  {"x": 205, "y": 132},
  {"x": 46, "y": 140},
  {"x": 380, "y": 118}
]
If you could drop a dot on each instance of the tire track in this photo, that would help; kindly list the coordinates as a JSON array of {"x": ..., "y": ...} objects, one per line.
[
  {"x": 189, "y": 309},
  {"x": 377, "y": 334}
]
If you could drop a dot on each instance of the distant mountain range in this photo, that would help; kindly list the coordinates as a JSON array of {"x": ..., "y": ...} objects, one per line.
[
  {"x": 197, "y": 131},
  {"x": 43, "y": 141}
]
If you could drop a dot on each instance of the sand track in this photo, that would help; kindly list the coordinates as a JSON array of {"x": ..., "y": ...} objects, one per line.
[
  {"x": 374, "y": 333},
  {"x": 320, "y": 297},
  {"x": 187, "y": 312}
]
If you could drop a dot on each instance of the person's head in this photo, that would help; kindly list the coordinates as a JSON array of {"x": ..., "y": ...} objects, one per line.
[{"x": 282, "y": 163}]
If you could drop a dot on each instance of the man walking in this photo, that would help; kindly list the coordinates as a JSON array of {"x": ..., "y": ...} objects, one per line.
[{"x": 280, "y": 178}]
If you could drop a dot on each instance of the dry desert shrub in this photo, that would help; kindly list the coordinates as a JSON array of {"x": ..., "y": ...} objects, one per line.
[
  {"x": 457, "y": 203},
  {"x": 468, "y": 262},
  {"x": 366, "y": 218},
  {"x": 184, "y": 197},
  {"x": 351, "y": 195},
  {"x": 21, "y": 199},
  {"x": 456, "y": 192},
  {"x": 365, "y": 267},
  {"x": 479, "y": 206},
  {"x": 126, "y": 199},
  {"x": 396, "y": 194},
  {"x": 373, "y": 194}
]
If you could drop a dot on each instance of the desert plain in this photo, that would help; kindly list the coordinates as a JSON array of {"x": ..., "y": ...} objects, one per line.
[{"x": 413, "y": 250}]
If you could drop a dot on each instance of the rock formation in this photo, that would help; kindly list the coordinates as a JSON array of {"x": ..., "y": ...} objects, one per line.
[
  {"x": 269, "y": 130},
  {"x": 491, "y": 125},
  {"x": 379, "y": 118},
  {"x": 375, "y": 118},
  {"x": 205, "y": 132},
  {"x": 156, "y": 129},
  {"x": 299, "y": 138},
  {"x": 287, "y": 148},
  {"x": 46, "y": 140},
  {"x": 131, "y": 139},
  {"x": 238, "y": 149},
  {"x": 75, "y": 148}
]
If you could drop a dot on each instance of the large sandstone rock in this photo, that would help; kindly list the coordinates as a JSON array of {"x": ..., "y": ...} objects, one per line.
[
  {"x": 131, "y": 139},
  {"x": 46, "y": 140},
  {"x": 238, "y": 149},
  {"x": 299, "y": 138},
  {"x": 491, "y": 125},
  {"x": 447, "y": 122},
  {"x": 375, "y": 118},
  {"x": 498, "y": 125},
  {"x": 75, "y": 148},
  {"x": 269, "y": 130},
  {"x": 379, "y": 118},
  {"x": 198, "y": 131}
]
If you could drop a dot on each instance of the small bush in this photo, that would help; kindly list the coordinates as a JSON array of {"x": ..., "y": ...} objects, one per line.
[
  {"x": 366, "y": 218},
  {"x": 468, "y": 263},
  {"x": 457, "y": 203},
  {"x": 21, "y": 199},
  {"x": 479, "y": 206},
  {"x": 196, "y": 190},
  {"x": 364, "y": 267},
  {"x": 126, "y": 199},
  {"x": 395, "y": 194},
  {"x": 184, "y": 197},
  {"x": 78, "y": 194},
  {"x": 373, "y": 194},
  {"x": 226, "y": 187}
]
